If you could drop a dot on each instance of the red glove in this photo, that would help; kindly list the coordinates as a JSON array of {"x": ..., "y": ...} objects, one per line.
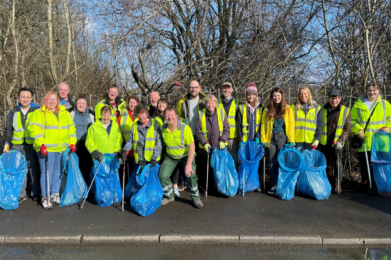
[
  {"x": 44, "y": 150},
  {"x": 335, "y": 143},
  {"x": 73, "y": 148}
]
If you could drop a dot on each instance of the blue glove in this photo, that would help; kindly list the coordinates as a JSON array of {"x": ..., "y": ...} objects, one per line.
[
  {"x": 291, "y": 145},
  {"x": 256, "y": 140},
  {"x": 264, "y": 144},
  {"x": 240, "y": 144}
]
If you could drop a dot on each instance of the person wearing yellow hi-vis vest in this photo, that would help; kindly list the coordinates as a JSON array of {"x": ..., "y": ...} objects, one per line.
[
  {"x": 145, "y": 138},
  {"x": 306, "y": 115},
  {"x": 369, "y": 102},
  {"x": 277, "y": 130},
  {"x": 212, "y": 133},
  {"x": 332, "y": 130},
  {"x": 230, "y": 107},
  {"x": 18, "y": 137},
  {"x": 113, "y": 101},
  {"x": 180, "y": 150},
  {"x": 53, "y": 131}
]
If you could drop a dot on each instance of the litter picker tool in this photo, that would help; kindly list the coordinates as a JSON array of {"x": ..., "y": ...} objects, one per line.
[
  {"x": 92, "y": 182},
  {"x": 369, "y": 171},
  {"x": 47, "y": 179},
  {"x": 207, "y": 176},
  {"x": 123, "y": 185}
]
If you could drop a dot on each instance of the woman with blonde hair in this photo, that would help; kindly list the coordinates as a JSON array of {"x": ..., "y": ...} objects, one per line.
[
  {"x": 53, "y": 131},
  {"x": 306, "y": 114}
]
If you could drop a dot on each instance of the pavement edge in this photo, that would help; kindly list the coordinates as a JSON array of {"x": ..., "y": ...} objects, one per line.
[
  {"x": 43, "y": 240},
  {"x": 199, "y": 239},
  {"x": 121, "y": 239},
  {"x": 307, "y": 240}
]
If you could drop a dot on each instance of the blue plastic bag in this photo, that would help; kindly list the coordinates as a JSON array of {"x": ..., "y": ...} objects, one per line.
[
  {"x": 76, "y": 188},
  {"x": 381, "y": 160},
  {"x": 249, "y": 154},
  {"x": 150, "y": 196},
  {"x": 225, "y": 174},
  {"x": 132, "y": 186},
  {"x": 13, "y": 167},
  {"x": 290, "y": 161},
  {"x": 107, "y": 187},
  {"x": 313, "y": 180}
]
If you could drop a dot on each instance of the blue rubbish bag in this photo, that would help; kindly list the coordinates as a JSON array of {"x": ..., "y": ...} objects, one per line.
[
  {"x": 76, "y": 188},
  {"x": 249, "y": 154},
  {"x": 13, "y": 167},
  {"x": 381, "y": 160},
  {"x": 290, "y": 161},
  {"x": 107, "y": 187},
  {"x": 313, "y": 180},
  {"x": 225, "y": 174},
  {"x": 132, "y": 186},
  {"x": 150, "y": 196}
]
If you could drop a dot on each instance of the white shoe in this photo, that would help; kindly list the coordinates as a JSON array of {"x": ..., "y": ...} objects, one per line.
[
  {"x": 176, "y": 193},
  {"x": 46, "y": 204},
  {"x": 55, "y": 198},
  {"x": 272, "y": 191}
]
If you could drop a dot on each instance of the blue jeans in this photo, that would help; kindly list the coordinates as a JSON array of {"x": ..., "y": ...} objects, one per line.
[{"x": 53, "y": 159}]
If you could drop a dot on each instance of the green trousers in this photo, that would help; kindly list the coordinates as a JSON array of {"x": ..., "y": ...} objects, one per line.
[{"x": 166, "y": 170}]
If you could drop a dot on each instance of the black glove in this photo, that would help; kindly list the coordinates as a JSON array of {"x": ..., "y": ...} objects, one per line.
[
  {"x": 124, "y": 154},
  {"x": 97, "y": 155},
  {"x": 141, "y": 163},
  {"x": 153, "y": 163}
]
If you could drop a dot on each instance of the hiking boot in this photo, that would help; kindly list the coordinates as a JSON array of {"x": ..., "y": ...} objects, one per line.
[
  {"x": 20, "y": 200},
  {"x": 198, "y": 203},
  {"x": 165, "y": 200},
  {"x": 46, "y": 204},
  {"x": 176, "y": 192},
  {"x": 55, "y": 198},
  {"x": 272, "y": 191}
]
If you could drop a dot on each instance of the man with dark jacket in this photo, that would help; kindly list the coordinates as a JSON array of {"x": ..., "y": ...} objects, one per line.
[
  {"x": 19, "y": 138},
  {"x": 332, "y": 130},
  {"x": 63, "y": 94},
  {"x": 113, "y": 101}
]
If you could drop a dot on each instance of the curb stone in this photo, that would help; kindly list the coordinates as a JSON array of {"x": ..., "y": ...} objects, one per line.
[
  {"x": 121, "y": 239},
  {"x": 43, "y": 240},
  {"x": 342, "y": 241},
  {"x": 2, "y": 240},
  {"x": 199, "y": 239},
  {"x": 310, "y": 240},
  {"x": 377, "y": 241}
]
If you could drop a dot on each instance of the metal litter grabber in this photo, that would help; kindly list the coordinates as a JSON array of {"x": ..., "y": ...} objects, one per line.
[
  {"x": 207, "y": 176},
  {"x": 123, "y": 184},
  {"x": 369, "y": 171},
  {"x": 92, "y": 182}
]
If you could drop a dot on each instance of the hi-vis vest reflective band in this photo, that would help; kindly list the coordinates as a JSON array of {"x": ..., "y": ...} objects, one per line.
[
  {"x": 150, "y": 141},
  {"x": 243, "y": 110},
  {"x": 220, "y": 118},
  {"x": 21, "y": 134},
  {"x": 231, "y": 116},
  {"x": 343, "y": 114},
  {"x": 305, "y": 125},
  {"x": 126, "y": 125},
  {"x": 176, "y": 148}
]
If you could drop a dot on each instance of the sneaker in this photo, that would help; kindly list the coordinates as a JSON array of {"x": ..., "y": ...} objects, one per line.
[
  {"x": 272, "y": 191},
  {"x": 20, "y": 200},
  {"x": 198, "y": 203},
  {"x": 181, "y": 187},
  {"x": 165, "y": 200},
  {"x": 55, "y": 198},
  {"x": 176, "y": 192},
  {"x": 258, "y": 190},
  {"x": 46, "y": 204}
]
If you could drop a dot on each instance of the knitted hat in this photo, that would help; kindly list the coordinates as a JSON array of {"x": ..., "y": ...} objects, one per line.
[
  {"x": 252, "y": 89},
  {"x": 335, "y": 93}
]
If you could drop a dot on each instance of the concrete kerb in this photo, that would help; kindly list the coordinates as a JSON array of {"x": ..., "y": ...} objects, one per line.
[
  {"x": 2, "y": 240},
  {"x": 121, "y": 239},
  {"x": 309, "y": 240},
  {"x": 75, "y": 240},
  {"x": 342, "y": 241},
  {"x": 199, "y": 239}
]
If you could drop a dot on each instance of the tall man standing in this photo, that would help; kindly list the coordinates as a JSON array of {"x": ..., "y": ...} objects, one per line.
[
  {"x": 63, "y": 94},
  {"x": 153, "y": 99},
  {"x": 16, "y": 133},
  {"x": 113, "y": 101},
  {"x": 230, "y": 106},
  {"x": 332, "y": 130}
]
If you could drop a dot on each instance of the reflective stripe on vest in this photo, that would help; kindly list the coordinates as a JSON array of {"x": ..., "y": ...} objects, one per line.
[
  {"x": 20, "y": 134},
  {"x": 343, "y": 114},
  {"x": 243, "y": 110},
  {"x": 126, "y": 125},
  {"x": 150, "y": 141},
  {"x": 220, "y": 119},
  {"x": 174, "y": 150},
  {"x": 231, "y": 116},
  {"x": 305, "y": 124}
]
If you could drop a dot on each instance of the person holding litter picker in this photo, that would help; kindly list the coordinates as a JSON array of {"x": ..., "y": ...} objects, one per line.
[
  {"x": 212, "y": 130},
  {"x": 370, "y": 114},
  {"x": 53, "y": 131}
]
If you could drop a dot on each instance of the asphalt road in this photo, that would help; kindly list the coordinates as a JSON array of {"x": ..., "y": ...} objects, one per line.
[{"x": 349, "y": 215}]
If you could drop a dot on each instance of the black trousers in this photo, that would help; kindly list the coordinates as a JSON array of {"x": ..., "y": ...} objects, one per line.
[
  {"x": 85, "y": 160},
  {"x": 364, "y": 169},
  {"x": 332, "y": 166}
]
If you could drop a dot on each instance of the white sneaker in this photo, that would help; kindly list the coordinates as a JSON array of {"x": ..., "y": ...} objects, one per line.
[
  {"x": 46, "y": 204},
  {"x": 55, "y": 198},
  {"x": 272, "y": 191}
]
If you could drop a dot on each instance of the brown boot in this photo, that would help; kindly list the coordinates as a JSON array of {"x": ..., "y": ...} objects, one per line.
[{"x": 338, "y": 186}]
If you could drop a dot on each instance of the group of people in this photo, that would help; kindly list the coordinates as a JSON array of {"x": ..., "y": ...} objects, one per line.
[{"x": 180, "y": 138}]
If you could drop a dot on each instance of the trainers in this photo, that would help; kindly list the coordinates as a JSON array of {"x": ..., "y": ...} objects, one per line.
[
  {"x": 258, "y": 190},
  {"x": 272, "y": 191},
  {"x": 165, "y": 200},
  {"x": 20, "y": 200},
  {"x": 46, "y": 204},
  {"x": 198, "y": 203},
  {"x": 181, "y": 187},
  {"x": 55, "y": 198},
  {"x": 176, "y": 192}
]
